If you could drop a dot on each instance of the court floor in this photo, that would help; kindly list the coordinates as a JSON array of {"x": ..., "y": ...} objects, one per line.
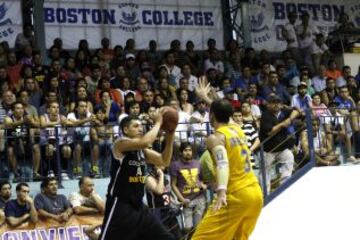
[{"x": 323, "y": 205}]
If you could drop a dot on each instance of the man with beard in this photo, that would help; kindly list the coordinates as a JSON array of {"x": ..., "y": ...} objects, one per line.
[{"x": 188, "y": 187}]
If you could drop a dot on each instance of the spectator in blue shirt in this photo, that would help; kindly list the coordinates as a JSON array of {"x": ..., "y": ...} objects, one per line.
[
  {"x": 21, "y": 209},
  {"x": 301, "y": 101},
  {"x": 344, "y": 101}
]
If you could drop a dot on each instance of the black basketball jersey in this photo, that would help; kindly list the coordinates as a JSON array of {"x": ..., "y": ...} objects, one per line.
[
  {"x": 127, "y": 177},
  {"x": 163, "y": 200}
]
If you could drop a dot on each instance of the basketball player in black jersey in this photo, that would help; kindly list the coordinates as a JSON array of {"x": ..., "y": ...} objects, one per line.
[{"x": 126, "y": 217}]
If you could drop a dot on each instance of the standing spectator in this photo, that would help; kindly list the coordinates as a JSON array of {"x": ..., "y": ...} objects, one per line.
[
  {"x": 86, "y": 200},
  {"x": 50, "y": 204},
  {"x": 5, "y": 196},
  {"x": 153, "y": 54},
  {"x": 319, "y": 52},
  {"x": 187, "y": 184},
  {"x": 13, "y": 69},
  {"x": 305, "y": 32},
  {"x": 131, "y": 67},
  {"x": 26, "y": 38},
  {"x": 289, "y": 34},
  {"x": 21, "y": 209},
  {"x": 274, "y": 134},
  {"x": 106, "y": 53},
  {"x": 81, "y": 119},
  {"x": 192, "y": 58}
]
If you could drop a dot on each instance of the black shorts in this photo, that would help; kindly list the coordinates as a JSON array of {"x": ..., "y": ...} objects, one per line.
[{"x": 124, "y": 221}]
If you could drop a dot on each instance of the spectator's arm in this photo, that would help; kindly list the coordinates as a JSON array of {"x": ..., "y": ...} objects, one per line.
[
  {"x": 255, "y": 145},
  {"x": 82, "y": 210},
  {"x": 44, "y": 214},
  {"x": 16, "y": 221},
  {"x": 176, "y": 190},
  {"x": 99, "y": 203},
  {"x": 44, "y": 123},
  {"x": 10, "y": 124},
  {"x": 354, "y": 120},
  {"x": 2, "y": 216},
  {"x": 33, "y": 213}
]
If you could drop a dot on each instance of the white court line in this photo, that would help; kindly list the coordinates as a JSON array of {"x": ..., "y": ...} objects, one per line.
[{"x": 322, "y": 205}]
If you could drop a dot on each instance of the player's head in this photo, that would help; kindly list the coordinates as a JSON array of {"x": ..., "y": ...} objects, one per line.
[
  {"x": 131, "y": 127},
  {"x": 220, "y": 112}
]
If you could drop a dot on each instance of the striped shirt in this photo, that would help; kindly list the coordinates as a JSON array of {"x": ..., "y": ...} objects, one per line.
[{"x": 251, "y": 135}]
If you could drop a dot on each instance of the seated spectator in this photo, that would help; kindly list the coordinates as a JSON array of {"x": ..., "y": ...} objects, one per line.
[
  {"x": 319, "y": 80},
  {"x": 274, "y": 86},
  {"x": 332, "y": 71},
  {"x": 165, "y": 89},
  {"x": 51, "y": 97},
  {"x": 336, "y": 131},
  {"x": 255, "y": 109},
  {"x": 301, "y": 101},
  {"x": 147, "y": 101},
  {"x": 324, "y": 153},
  {"x": 345, "y": 73},
  {"x": 184, "y": 85},
  {"x": 113, "y": 110},
  {"x": 357, "y": 77},
  {"x": 5, "y": 196},
  {"x": 188, "y": 186},
  {"x": 173, "y": 70},
  {"x": 243, "y": 82},
  {"x": 184, "y": 103},
  {"x": 248, "y": 117},
  {"x": 187, "y": 74},
  {"x": 104, "y": 85},
  {"x": 319, "y": 109},
  {"x": 330, "y": 92},
  {"x": 86, "y": 201},
  {"x": 20, "y": 144},
  {"x": 50, "y": 204},
  {"x": 344, "y": 101},
  {"x": 353, "y": 88},
  {"x": 81, "y": 94},
  {"x": 21, "y": 209}
]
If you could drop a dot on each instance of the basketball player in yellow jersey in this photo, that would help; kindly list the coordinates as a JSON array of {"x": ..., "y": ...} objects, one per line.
[{"x": 239, "y": 200}]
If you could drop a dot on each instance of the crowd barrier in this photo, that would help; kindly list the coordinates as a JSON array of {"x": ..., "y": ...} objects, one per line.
[{"x": 50, "y": 229}]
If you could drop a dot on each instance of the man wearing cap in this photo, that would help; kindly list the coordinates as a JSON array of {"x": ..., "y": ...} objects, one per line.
[
  {"x": 131, "y": 67},
  {"x": 277, "y": 140},
  {"x": 301, "y": 101}
]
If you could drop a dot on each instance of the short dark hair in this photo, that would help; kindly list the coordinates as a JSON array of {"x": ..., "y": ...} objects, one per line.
[
  {"x": 16, "y": 103},
  {"x": 82, "y": 180},
  {"x": 126, "y": 122},
  {"x": 184, "y": 145},
  {"x": 3, "y": 183},
  {"x": 46, "y": 182},
  {"x": 222, "y": 110},
  {"x": 20, "y": 185}
]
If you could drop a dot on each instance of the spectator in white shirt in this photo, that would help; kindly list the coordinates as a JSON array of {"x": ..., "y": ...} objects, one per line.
[
  {"x": 319, "y": 81},
  {"x": 318, "y": 50},
  {"x": 214, "y": 62},
  {"x": 289, "y": 33},
  {"x": 187, "y": 74},
  {"x": 305, "y": 33}
]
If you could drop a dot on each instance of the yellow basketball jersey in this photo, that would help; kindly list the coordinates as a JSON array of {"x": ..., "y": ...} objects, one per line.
[{"x": 240, "y": 171}]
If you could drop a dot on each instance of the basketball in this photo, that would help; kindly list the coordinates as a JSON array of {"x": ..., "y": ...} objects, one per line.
[{"x": 170, "y": 119}]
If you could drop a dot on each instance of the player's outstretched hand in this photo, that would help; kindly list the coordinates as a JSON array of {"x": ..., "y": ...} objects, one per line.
[
  {"x": 158, "y": 115},
  {"x": 203, "y": 89},
  {"x": 220, "y": 200}
]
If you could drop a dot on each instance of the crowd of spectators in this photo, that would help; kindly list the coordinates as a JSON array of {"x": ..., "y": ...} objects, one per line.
[{"x": 59, "y": 109}]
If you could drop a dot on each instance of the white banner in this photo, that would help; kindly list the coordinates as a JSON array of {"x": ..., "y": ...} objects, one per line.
[
  {"x": 268, "y": 16},
  {"x": 10, "y": 21},
  {"x": 142, "y": 20}
]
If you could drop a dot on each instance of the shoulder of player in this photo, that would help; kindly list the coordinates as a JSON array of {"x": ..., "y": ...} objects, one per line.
[{"x": 215, "y": 139}]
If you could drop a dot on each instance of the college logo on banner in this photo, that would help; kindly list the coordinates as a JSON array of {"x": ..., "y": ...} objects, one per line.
[
  {"x": 4, "y": 21},
  {"x": 129, "y": 21}
]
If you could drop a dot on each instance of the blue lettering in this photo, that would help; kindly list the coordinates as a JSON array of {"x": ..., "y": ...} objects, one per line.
[
  {"x": 177, "y": 20},
  {"x": 157, "y": 19},
  {"x": 49, "y": 15},
  {"x": 198, "y": 18},
  {"x": 109, "y": 16},
  {"x": 337, "y": 10},
  {"x": 61, "y": 234},
  {"x": 326, "y": 12},
  {"x": 167, "y": 21},
  {"x": 188, "y": 18},
  {"x": 60, "y": 15},
  {"x": 301, "y": 8},
  {"x": 208, "y": 19},
  {"x": 83, "y": 12},
  {"x": 314, "y": 8},
  {"x": 145, "y": 18},
  {"x": 28, "y": 235},
  {"x": 10, "y": 236},
  {"x": 279, "y": 10},
  {"x": 291, "y": 7},
  {"x": 72, "y": 17},
  {"x": 48, "y": 234},
  {"x": 73, "y": 233},
  {"x": 96, "y": 16}
]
